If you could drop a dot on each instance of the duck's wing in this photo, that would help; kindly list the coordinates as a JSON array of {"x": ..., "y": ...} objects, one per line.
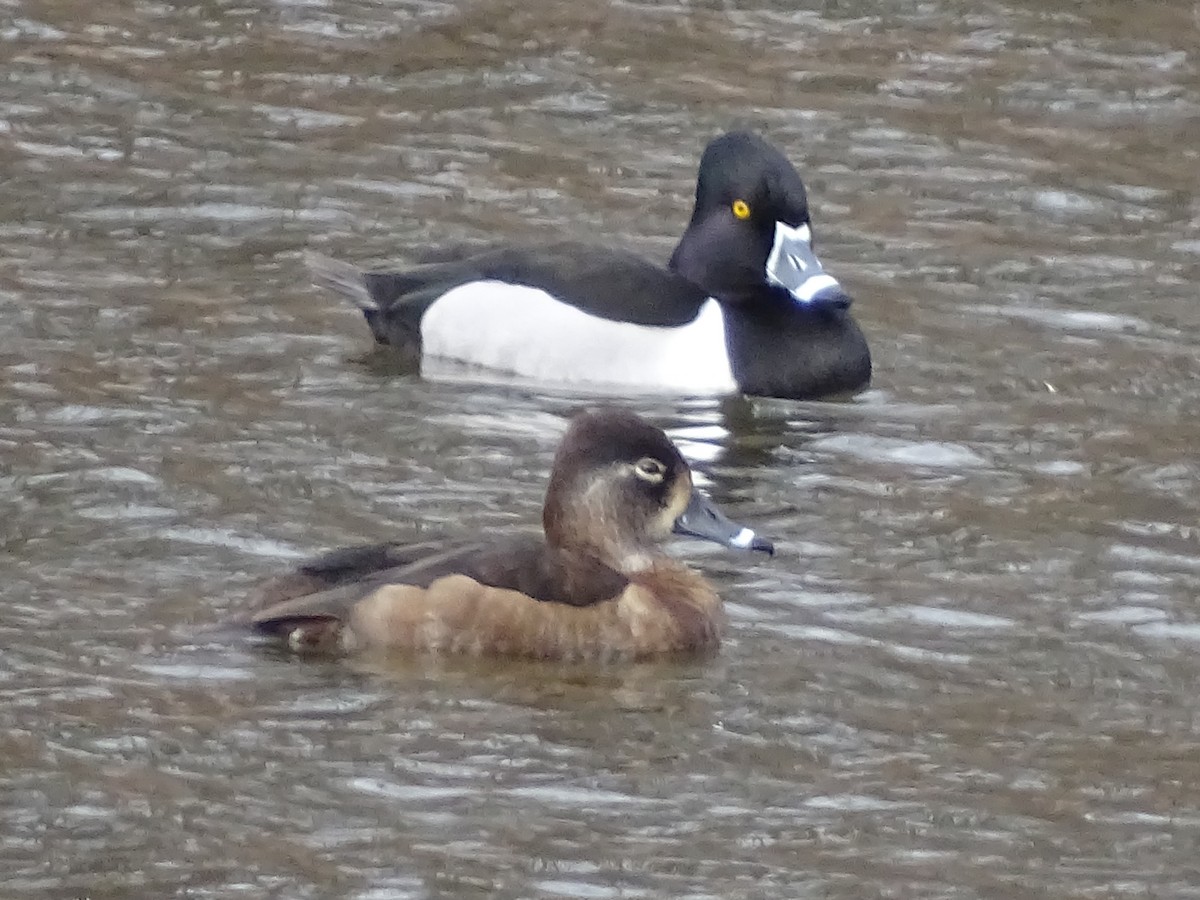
[
  {"x": 350, "y": 565},
  {"x": 339, "y": 580},
  {"x": 608, "y": 283},
  {"x": 311, "y": 603},
  {"x": 312, "y": 621}
]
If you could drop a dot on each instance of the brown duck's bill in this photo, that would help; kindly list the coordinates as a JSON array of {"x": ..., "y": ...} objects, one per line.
[{"x": 702, "y": 519}]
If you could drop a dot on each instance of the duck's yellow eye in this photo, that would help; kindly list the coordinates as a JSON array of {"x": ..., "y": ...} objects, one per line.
[
  {"x": 741, "y": 209},
  {"x": 650, "y": 470}
]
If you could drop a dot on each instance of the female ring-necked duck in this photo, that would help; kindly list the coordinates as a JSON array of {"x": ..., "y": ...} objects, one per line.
[
  {"x": 593, "y": 587},
  {"x": 743, "y": 305}
]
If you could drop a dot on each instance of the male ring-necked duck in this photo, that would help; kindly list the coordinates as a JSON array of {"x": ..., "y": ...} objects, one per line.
[
  {"x": 743, "y": 305},
  {"x": 594, "y": 587}
]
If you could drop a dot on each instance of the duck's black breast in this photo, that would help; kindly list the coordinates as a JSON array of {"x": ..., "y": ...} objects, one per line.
[
  {"x": 607, "y": 283},
  {"x": 780, "y": 349}
]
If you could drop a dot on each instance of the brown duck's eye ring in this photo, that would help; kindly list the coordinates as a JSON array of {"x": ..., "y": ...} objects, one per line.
[
  {"x": 741, "y": 209},
  {"x": 650, "y": 470}
]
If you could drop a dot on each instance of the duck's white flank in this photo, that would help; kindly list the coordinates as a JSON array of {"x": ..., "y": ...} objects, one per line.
[{"x": 525, "y": 331}]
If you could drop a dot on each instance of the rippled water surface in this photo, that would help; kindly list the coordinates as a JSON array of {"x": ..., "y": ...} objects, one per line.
[{"x": 970, "y": 672}]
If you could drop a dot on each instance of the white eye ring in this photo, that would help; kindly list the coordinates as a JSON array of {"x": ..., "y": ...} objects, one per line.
[{"x": 650, "y": 470}]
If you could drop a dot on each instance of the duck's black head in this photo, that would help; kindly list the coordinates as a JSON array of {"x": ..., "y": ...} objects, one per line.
[{"x": 750, "y": 236}]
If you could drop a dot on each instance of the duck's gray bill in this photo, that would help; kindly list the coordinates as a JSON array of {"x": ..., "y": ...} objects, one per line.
[
  {"x": 703, "y": 520},
  {"x": 793, "y": 265}
]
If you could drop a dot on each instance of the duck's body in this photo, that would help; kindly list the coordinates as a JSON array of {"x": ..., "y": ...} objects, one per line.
[
  {"x": 664, "y": 609},
  {"x": 594, "y": 586},
  {"x": 743, "y": 305},
  {"x": 568, "y": 312}
]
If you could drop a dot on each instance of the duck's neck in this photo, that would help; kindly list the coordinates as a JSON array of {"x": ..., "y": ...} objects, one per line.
[
  {"x": 597, "y": 530},
  {"x": 631, "y": 561},
  {"x": 628, "y": 558}
]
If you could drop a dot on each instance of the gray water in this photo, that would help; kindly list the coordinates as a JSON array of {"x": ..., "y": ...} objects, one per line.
[{"x": 972, "y": 669}]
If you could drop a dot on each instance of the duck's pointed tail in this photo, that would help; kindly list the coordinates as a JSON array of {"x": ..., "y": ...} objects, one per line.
[{"x": 341, "y": 278}]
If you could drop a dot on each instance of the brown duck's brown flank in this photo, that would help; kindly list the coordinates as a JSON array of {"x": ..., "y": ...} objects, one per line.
[{"x": 668, "y": 609}]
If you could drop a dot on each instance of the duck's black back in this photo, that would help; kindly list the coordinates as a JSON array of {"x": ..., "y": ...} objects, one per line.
[{"x": 611, "y": 284}]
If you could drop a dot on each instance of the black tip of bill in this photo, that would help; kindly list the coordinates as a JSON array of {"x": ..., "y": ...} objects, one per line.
[{"x": 830, "y": 298}]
